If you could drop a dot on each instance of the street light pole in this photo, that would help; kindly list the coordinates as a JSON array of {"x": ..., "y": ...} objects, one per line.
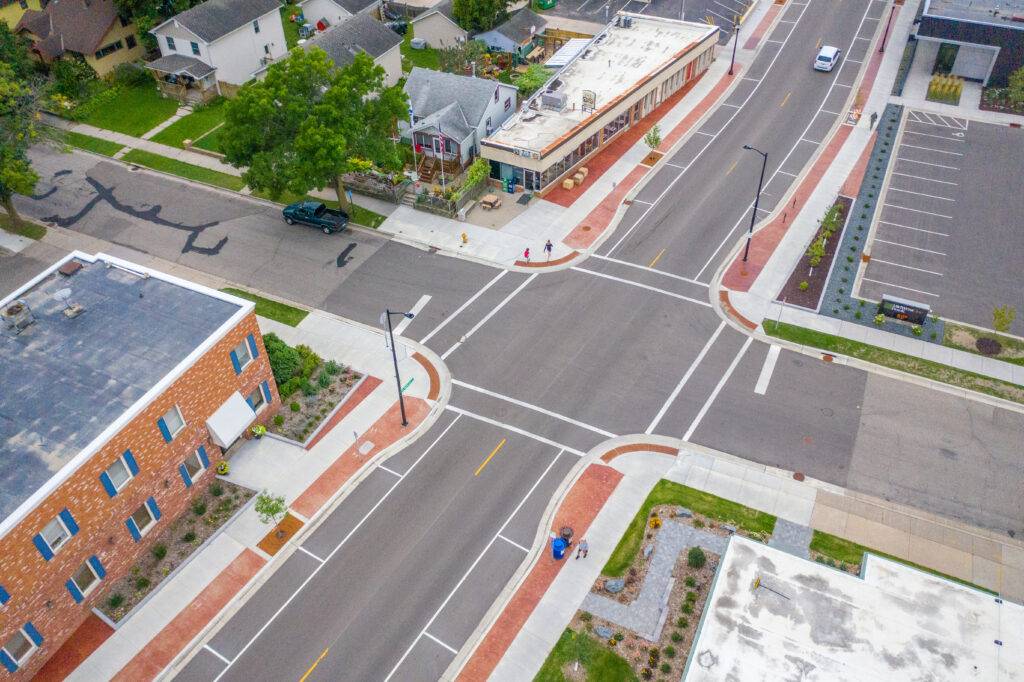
[
  {"x": 757, "y": 198},
  {"x": 394, "y": 358},
  {"x": 736, "y": 39},
  {"x": 892, "y": 10}
]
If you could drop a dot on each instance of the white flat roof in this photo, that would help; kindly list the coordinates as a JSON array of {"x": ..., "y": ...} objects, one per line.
[
  {"x": 617, "y": 60},
  {"x": 811, "y": 622}
]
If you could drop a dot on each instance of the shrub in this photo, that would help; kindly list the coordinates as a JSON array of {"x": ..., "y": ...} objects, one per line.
[
  {"x": 332, "y": 367},
  {"x": 159, "y": 551},
  {"x": 1003, "y": 317},
  {"x": 933, "y": 336},
  {"x": 131, "y": 76},
  {"x": 669, "y": 651},
  {"x": 691, "y": 581},
  {"x": 677, "y": 636},
  {"x": 696, "y": 558},
  {"x": 309, "y": 388},
  {"x": 198, "y": 507},
  {"x": 618, "y": 637},
  {"x": 585, "y": 616},
  {"x": 858, "y": 315},
  {"x": 683, "y": 622},
  {"x": 804, "y": 286},
  {"x": 324, "y": 380},
  {"x": 879, "y": 319},
  {"x": 278, "y": 419},
  {"x": 295, "y": 407},
  {"x": 686, "y": 608},
  {"x": 655, "y": 522},
  {"x": 816, "y": 251},
  {"x": 697, "y": 523},
  {"x": 666, "y": 668},
  {"x": 188, "y": 537},
  {"x": 285, "y": 361},
  {"x": 916, "y": 330},
  {"x": 72, "y": 77},
  {"x": 646, "y": 673},
  {"x": 216, "y": 489},
  {"x": 310, "y": 360},
  {"x": 115, "y": 600},
  {"x": 141, "y": 583},
  {"x": 691, "y": 596}
]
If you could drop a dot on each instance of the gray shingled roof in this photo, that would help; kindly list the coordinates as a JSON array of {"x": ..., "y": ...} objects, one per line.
[
  {"x": 214, "y": 19},
  {"x": 450, "y": 121},
  {"x": 517, "y": 28},
  {"x": 444, "y": 8},
  {"x": 181, "y": 64},
  {"x": 355, "y": 34},
  {"x": 431, "y": 91},
  {"x": 354, "y": 6}
]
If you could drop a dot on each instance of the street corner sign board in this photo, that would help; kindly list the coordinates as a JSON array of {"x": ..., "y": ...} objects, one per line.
[{"x": 905, "y": 310}]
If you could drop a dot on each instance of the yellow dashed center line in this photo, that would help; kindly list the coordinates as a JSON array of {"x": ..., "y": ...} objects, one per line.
[
  {"x": 785, "y": 99},
  {"x": 315, "y": 664},
  {"x": 656, "y": 258},
  {"x": 732, "y": 167},
  {"x": 499, "y": 446}
]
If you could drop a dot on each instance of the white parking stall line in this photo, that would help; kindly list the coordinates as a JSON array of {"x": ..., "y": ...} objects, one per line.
[
  {"x": 437, "y": 641},
  {"x": 926, "y": 163},
  {"x": 415, "y": 310},
  {"x": 908, "y": 246},
  {"x": 701, "y": 132},
  {"x": 216, "y": 653},
  {"x": 465, "y": 305},
  {"x": 941, "y": 137},
  {"x": 726, "y": 104},
  {"x": 642, "y": 286},
  {"x": 782, "y": 172},
  {"x": 644, "y": 267},
  {"x": 853, "y": 61},
  {"x": 514, "y": 543},
  {"x": 907, "y": 267},
  {"x": 916, "y": 229},
  {"x": 514, "y": 429},
  {"x": 777, "y": 42},
  {"x": 830, "y": 113},
  {"x": 725, "y": 19},
  {"x": 920, "y": 194},
  {"x": 390, "y": 471},
  {"x": 767, "y": 369},
  {"x": 748, "y": 78},
  {"x": 686, "y": 377},
  {"x": 921, "y": 177},
  {"x": 308, "y": 553},
  {"x": 790, "y": 21},
  {"x": 641, "y": 201},
  {"x": 726, "y": 7},
  {"x": 488, "y": 316},
  {"x": 718, "y": 389},
  {"x": 843, "y": 85},
  {"x": 862, "y": 38},
  {"x": 814, "y": 142},
  {"x": 898, "y": 286},
  {"x": 931, "y": 149},
  {"x": 915, "y": 210}
]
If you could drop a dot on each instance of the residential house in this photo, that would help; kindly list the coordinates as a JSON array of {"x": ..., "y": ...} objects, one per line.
[
  {"x": 451, "y": 114},
  {"x": 360, "y": 33},
  {"x": 324, "y": 13},
  {"x": 437, "y": 27},
  {"x": 86, "y": 29},
  {"x": 520, "y": 35},
  {"x": 123, "y": 388},
  {"x": 216, "y": 47},
  {"x": 980, "y": 40},
  {"x": 11, "y": 10}
]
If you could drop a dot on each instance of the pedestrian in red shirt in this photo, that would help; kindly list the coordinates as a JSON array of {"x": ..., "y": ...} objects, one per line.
[{"x": 526, "y": 255}]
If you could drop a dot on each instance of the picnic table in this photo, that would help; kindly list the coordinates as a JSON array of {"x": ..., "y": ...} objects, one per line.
[{"x": 489, "y": 201}]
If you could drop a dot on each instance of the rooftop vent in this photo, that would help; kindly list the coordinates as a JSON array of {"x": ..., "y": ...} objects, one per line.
[
  {"x": 70, "y": 268},
  {"x": 553, "y": 100},
  {"x": 70, "y": 309},
  {"x": 16, "y": 317}
]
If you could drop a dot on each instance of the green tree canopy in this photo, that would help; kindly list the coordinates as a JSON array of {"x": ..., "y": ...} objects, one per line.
[
  {"x": 14, "y": 53},
  {"x": 534, "y": 77},
  {"x": 479, "y": 15},
  {"x": 18, "y": 110}
]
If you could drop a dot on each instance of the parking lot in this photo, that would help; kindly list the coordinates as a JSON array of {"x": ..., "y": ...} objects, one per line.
[
  {"x": 942, "y": 236},
  {"x": 720, "y": 12}
]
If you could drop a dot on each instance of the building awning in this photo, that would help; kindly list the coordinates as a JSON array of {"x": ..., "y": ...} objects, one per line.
[{"x": 230, "y": 420}]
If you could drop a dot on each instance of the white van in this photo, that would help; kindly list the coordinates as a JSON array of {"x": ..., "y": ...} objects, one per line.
[{"x": 827, "y": 58}]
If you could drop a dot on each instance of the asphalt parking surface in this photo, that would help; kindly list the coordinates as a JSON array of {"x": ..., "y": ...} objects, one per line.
[
  {"x": 941, "y": 237},
  {"x": 718, "y": 12}
]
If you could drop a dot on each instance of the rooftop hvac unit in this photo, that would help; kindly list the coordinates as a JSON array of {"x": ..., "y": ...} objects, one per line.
[
  {"x": 627, "y": 22},
  {"x": 553, "y": 100},
  {"x": 16, "y": 317}
]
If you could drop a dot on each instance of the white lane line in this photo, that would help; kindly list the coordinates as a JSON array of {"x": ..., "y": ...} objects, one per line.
[
  {"x": 789, "y": 21},
  {"x": 514, "y": 543},
  {"x": 535, "y": 408},
  {"x": 921, "y": 177},
  {"x": 906, "y": 267},
  {"x": 907, "y": 208},
  {"x": 780, "y": 42},
  {"x": 701, "y": 132},
  {"x": 333, "y": 552},
  {"x": 644, "y": 267},
  {"x": 931, "y": 149},
  {"x": 641, "y": 201},
  {"x": 814, "y": 142},
  {"x": 642, "y": 286},
  {"x": 488, "y": 316},
  {"x": 437, "y": 641},
  {"x": 390, "y": 471},
  {"x": 415, "y": 310},
  {"x": 726, "y": 104},
  {"x": 766, "y": 370},
  {"x": 686, "y": 377},
  {"x": 941, "y": 137},
  {"x": 464, "y": 306},
  {"x": 308, "y": 553},
  {"x": 472, "y": 566},
  {"x": 926, "y": 163},
  {"x": 908, "y": 246},
  {"x": 853, "y": 61},
  {"x": 782, "y": 172},
  {"x": 860, "y": 38},
  {"x": 748, "y": 78},
  {"x": 668, "y": 163},
  {"x": 513, "y": 429},
  {"x": 215, "y": 653},
  {"x": 916, "y": 229},
  {"x": 718, "y": 388},
  {"x": 889, "y": 284},
  {"x": 920, "y": 194}
]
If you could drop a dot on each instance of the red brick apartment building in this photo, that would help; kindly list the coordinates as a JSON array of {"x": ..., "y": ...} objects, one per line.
[{"x": 119, "y": 387}]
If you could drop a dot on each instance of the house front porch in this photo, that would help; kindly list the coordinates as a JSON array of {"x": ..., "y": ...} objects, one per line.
[{"x": 186, "y": 79}]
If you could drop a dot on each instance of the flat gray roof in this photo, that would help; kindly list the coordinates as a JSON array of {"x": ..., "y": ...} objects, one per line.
[
  {"x": 66, "y": 380},
  {"x": 985, "y": 11}
]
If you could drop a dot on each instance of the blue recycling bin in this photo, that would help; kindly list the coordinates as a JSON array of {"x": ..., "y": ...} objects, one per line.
[
  {"x": 558, "y": 547},
  {"x": 510, "y": 185}
]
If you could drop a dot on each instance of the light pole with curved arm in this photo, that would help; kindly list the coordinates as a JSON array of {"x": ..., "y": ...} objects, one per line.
[{"x": 757, "y": 197}]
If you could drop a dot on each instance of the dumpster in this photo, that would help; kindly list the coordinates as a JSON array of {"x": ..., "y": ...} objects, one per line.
[{"x": 558, "y": 547}]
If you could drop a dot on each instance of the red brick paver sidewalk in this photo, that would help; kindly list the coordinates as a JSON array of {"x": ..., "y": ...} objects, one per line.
[
  {"x": 581, "y": 505},
  {"x": 352, "y": 401},
  {"x": 762, "y": 28}
]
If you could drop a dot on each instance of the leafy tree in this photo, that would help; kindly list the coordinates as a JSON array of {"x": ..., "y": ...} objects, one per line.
[
  {"x": 149, "y": 13},
  {"x": 534, "y": 77},
  {"x": 270, "y": 507},
  {"x": 1003, "y": 317},
  {"x": 1016, "y": 86},
  {"x": 18, "y": 110},
  {"x": 459, "y": 57},
  {"x": 14, "y": 53},
  {"x": 479, "y": 15},
  {"x": 653, "y": 137}
]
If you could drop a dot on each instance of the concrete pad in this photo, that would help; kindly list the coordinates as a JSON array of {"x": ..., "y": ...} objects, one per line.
[
  {"x": 877, "y": 536},
  {"x": 940, "y": 557},
  {"x": 795, "y": 509},
  {"x": 1013, "y": 555},
  {"x": 988, "y": 574},
  {"x": 829, "y": 520}
]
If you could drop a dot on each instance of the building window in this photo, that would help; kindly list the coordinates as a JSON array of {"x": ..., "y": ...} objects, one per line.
[
  {"x": 243, "y": 354},
  {"x": 195, "y": 48},
  {"x": 255, "y": 399},
  {"x": 19, "y": 647},
  {"x": 256, "y": 25},
  {"x": 266, "y": 49},
  {"x": 194, "y": 466},
  {"x": 130, "y": 42},
  {"x": 495, "y": 94},
  {"x": 55, "y": 534},
  {"x": 118, "y": 474},
  {"x": 85, "y": 579},
  {"x": 170, "y": 44},
  {"x": 508, "y": 103},
  {"x": 171, "y": 423},
  {"x": 124, "y": 21},
  {"x": 109, "y": 49},
  {"x": 23, "y": 4},
  {"x": 143, "y": 519}
]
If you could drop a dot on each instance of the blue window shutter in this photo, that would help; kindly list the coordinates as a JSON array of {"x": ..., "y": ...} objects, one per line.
[
  {"x": 8, "y": 662},
  {"x": 129, "y": 459},
  {"x": 76, "y": 593},
  {"x": 203, "y": 457},
  {"x": 5, "y": 596},
  {"x": 267, "y": 395},
  {"x": 235, "y": 363},
  {"x": 184, "y": 475},
  {"x": 33, "y": 634},
  {"x": 108, "y": 485},
  {"x": 151, "y": 503},
  {"x": 248, "y": 401},
  {"x": 252, "y": 346},
  {"x": 133, "y": 529},
  {"x": 43, "y": 548},
  {"x": 69, "y": 521},
  {"x": 97, "y": 566},
  {"x": 166, "y": 432}
]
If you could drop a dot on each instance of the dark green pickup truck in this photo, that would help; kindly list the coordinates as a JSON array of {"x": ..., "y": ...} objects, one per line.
[{"x": 314, "y": 213}]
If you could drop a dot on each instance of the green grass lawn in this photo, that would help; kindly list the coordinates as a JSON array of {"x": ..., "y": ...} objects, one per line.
[
  {"x": 24, "y": 228},
  {"x": 137, "y": 110},
  {"x": 91, "y": 144},
  {"x": 357, "y": 214},
  {"x": 274, "y": 310},
  {"x": 669, "y": 492},
  {"x": 184, "y": 170},
  {"x": 899, "y": 361},
  {"x": 291, "y": 28},
  {"x": 601, "y": 663},
  {"x": 427, "y": 58},
  {"x": 192, "y": 127},
  {"x": 210, "y": 141},
  {"x": 848, "y": 552}
]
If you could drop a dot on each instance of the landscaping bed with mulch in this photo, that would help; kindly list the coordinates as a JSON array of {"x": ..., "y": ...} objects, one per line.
[
  {"x": 310, "y": 388},
  {"x": 652, "y": 158},
  {"x": 990, "y": 344},
  {"x": 175, "y": 544},
  {"x": 808, "y": 280},
  {"x": 998, "y": 99}
]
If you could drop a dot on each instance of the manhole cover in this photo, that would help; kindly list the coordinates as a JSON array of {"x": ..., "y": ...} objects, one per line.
[
  {"x": 827, "y": 411},
  {"x": 585, "y": 228}
]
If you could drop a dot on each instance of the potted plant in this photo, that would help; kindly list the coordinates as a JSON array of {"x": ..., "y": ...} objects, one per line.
[{"x": 258, "y": 430}]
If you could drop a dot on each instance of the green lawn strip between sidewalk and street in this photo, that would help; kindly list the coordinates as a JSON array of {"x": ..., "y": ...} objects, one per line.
[
  {"x": 184, "y": 170},
  {"x": 669, "y": 492},
  {"x": 601, "y": 663},
  {"x": 273, "y": 310},
  {"x": 963, "y": 337},
  {"x": 24, "y": 228},
  {"x": 848, "y": 552},
  {"x": 92, "y": 144},
  {"x": 894, "y": 360},
  {"x": 192, "y": 127},
  {"x": 137, "y": 110},
  {"x": 357, "y": 214}
]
